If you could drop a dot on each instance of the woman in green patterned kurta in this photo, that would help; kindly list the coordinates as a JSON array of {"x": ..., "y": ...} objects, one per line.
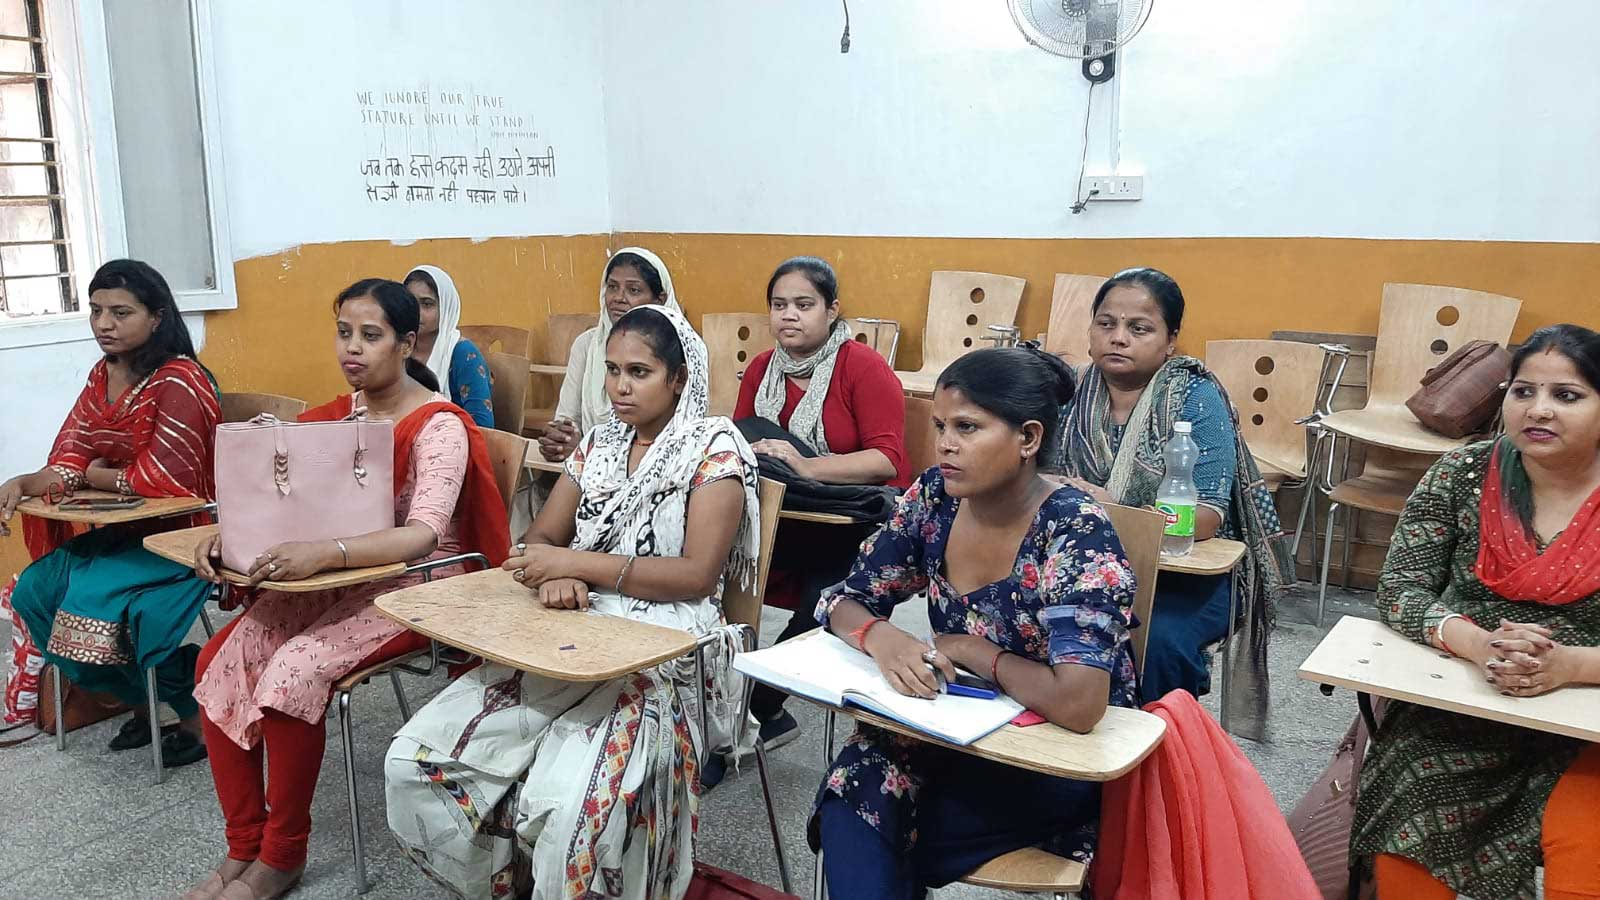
[{"x": 1474, "y": 802}]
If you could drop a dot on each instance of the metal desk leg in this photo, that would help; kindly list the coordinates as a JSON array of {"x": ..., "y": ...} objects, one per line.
[
  {"x": 155, "y": 722},
  {"x": 1227, "y": 642},
  {"x": 61, "y": 722},
  {"x": 819, "y": 886}
]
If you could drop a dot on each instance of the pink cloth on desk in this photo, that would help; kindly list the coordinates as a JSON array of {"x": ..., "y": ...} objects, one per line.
[
  {"x": 1195, "y": 822},
  {"x": 292, "y": 648}
]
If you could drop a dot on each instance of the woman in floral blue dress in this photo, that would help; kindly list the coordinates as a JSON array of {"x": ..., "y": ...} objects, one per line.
[{"x": 994, "y": 545}]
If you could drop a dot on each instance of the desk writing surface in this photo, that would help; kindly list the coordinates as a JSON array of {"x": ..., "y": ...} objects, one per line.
[
  {"x": 543, "y": 369},
  {"x": 1369, "y": 657},
  {"x": 1118, "y": 744},
  {"x": 1217, "y": 556},
  {"x": 819, "y": 518},
  {"x": 492, "y": 615},
  {"x": 180, "y": 547},
  {"x": 152, "y": 508},
  {"x": 536, "y": 461}
]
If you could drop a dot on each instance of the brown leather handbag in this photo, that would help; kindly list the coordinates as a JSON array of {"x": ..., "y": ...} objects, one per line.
[
  {"x": 1461, "y": 395},
  {"x": 80, "y": 708},
  {"x": 1322, "y": 821},
  {"x": 712, "y": 883}
]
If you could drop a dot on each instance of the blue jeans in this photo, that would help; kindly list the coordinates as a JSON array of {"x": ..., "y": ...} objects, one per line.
[{"x": 1191, "y": 613}]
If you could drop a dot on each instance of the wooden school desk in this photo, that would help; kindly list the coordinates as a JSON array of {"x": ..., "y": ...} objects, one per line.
[
  {"x": 1120, "y": 742},
  {"x": 151, "y": 508},
  {"x": 181, "y": 547},
  {"x": 1370, "y": 658}
]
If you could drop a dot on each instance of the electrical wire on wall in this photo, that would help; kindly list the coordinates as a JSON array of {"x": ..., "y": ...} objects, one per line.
[
  {"x": 844, "y": 39},
  {"x": 1082, "y": 201}
]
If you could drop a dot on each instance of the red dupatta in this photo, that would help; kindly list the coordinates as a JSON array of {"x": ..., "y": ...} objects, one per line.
[
  {"x": 480, "y": 512},
  {"x": 163, "y": 430},
  {"x": 1509, "y": 562}
]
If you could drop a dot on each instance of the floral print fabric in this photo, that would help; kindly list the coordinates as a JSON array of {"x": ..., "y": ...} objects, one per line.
[{"x": 1069, "y": 560}]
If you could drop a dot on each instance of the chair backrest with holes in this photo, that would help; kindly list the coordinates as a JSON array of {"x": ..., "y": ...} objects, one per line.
[
  {"x": 508, "y": 392},
  {"x": 961, "y": 307},
  {"x": 1421, "y": 324},
  {"x": 882, "y": 335},
  {"x": 506, "y": 454},
  {"x": 741, "y": 605},
  {"x": 1140, "y": 531},
  {"x": 921, "y": 442},
  {"x": 499, "y": 338},
  {"x": 732, "y": 340},
  {"x": 560, "y": 331},
  {"x": 1271, "y": 383},
  {"x": 244, "y": 407},
  {"x": 1068, "y": 336}
]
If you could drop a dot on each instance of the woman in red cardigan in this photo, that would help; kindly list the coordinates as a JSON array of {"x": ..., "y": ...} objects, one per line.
[{"x": 841, "y": 400}]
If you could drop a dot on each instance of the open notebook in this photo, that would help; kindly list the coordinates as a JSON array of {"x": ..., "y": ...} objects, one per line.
[{"x": 826, "y": 669}]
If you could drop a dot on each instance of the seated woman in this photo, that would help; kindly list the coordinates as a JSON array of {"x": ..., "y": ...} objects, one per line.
[
  {"x": 840, "y": 400},
  {"x": 1027, "y": 586},
  {"x": 102, "y": 608},
  {"x": 1111, "y": 447},
  {"x": 266, "y": 679},
  {"x": 1494, "y": 561},
  {"x": 507, "y": 779},
  {"x": 453, "y": 360},
  {"x": 633, "y": 277}
]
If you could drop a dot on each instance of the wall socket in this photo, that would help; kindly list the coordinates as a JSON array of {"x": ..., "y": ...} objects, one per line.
[{"x": 1113, "y": 187}]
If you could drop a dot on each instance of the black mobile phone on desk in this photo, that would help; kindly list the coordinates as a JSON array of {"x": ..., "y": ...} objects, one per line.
[{"x": 101, "y": 503}]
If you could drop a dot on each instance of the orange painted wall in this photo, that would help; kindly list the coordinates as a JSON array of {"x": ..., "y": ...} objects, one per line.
[
  {"x": 279, "y": 339},
  {"x": 1235, "y": 287}
]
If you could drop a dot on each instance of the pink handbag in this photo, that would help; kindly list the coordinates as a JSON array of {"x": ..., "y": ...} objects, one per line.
[{"x": 301, "y": 481}]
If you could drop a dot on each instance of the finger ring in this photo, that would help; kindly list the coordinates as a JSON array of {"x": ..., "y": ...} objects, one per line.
[
  {"x": 521, "y": 548},
  {"x": 272, "y": 567},
  {"x": 930, "y": 656},
  {"x": 520, "y": 574}
]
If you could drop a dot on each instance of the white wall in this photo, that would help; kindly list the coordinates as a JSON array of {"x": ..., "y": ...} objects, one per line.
[
  {"x": 296, "y": 140},
  {"x": 1363, "y": 118}
]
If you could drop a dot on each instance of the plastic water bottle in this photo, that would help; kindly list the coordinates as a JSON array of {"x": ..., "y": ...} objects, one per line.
[{"x": 1177, "y": 497}]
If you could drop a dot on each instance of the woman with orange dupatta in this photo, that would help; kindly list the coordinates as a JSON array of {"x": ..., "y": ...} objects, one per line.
[
  {"x": 265, "y": 680},
  {"x": 1496, "y": 560},
  {"x": 102, "y": 608}
]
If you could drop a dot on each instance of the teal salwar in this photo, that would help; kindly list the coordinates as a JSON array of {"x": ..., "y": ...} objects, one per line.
[{"x": 103, "y": 609}]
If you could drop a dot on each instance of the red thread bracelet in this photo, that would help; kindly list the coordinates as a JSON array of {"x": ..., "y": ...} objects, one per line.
[
  {"x": 860, "y": 634},
  {"x": 994, "y": 668}
]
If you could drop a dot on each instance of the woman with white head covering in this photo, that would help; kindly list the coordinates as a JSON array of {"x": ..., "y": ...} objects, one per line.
[
  {"x": 633, "y": 277},
  {"x": 454, "y": 360},
  {"x": 507, "y": 779}
]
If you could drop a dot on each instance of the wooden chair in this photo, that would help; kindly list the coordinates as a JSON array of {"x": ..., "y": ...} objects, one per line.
[
  {"x": 741, "y": 606},
  {"x": 561, "y": 332},
  {"x": 499, "y": 338},
  {"x": 732, "y": 340},
  {"x": 961, "y": 307},
  {"x": 508, "y": 389},
  {"x": 244, "y": 407},
  {"x": 882, "y": 335},
  {"x": 1036, "y": 871},
  {"x": 921, "y": 440},
  {"x": 507, "y": 453},
  {"x": 1070, "y": 315},
  {"x": 1418, "y": 326},
  {"x": 1271, "y": 384}
]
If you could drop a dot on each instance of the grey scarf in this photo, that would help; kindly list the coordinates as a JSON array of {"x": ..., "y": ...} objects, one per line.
[{"x": 806, "y": 422}]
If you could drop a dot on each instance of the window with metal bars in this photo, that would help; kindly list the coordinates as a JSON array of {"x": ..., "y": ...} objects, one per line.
[{"x": 36, "y": 275}]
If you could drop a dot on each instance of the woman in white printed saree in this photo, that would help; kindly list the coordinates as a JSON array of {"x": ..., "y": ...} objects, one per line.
[{"x": 507, "y": 780}]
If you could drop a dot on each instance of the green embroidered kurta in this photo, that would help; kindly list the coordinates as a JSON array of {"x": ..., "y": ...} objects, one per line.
[{"x": 1461, "y": 795}]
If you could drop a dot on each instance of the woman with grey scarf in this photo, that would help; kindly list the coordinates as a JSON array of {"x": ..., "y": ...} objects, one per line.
[{"x": 844, "y": 413}]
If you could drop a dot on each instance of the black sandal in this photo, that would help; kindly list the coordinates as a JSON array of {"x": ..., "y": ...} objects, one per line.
[
  {"x": 181, "y": 748},
  {"x": 135, "y": 733}
]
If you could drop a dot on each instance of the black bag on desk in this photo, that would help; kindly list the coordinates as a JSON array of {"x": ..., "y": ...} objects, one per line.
[{"x": 862, "y": 502}]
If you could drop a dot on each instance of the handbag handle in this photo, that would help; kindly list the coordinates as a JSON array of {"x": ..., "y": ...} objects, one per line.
[
  {"x": 280, "y": 454},
  {"x": 360, "y": 469}
]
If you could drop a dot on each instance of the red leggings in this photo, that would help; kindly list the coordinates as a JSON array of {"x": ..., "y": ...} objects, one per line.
[
  {"x": 1571, "y": 844},
  {"x": 271, "y": 821}
]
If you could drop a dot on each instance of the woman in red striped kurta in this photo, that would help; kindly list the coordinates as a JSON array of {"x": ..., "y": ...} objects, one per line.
[{"x": 102, "y": 608}]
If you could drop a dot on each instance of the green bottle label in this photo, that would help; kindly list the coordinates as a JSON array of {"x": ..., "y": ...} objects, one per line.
[{"x": 1180, "y": 518}]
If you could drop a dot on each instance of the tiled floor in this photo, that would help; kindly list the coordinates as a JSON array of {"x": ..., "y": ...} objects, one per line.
[{"x": 88, "y": 824}]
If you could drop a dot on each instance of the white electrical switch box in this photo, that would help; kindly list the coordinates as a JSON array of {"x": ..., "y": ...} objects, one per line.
[{"x": 1113, "y": 187}]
